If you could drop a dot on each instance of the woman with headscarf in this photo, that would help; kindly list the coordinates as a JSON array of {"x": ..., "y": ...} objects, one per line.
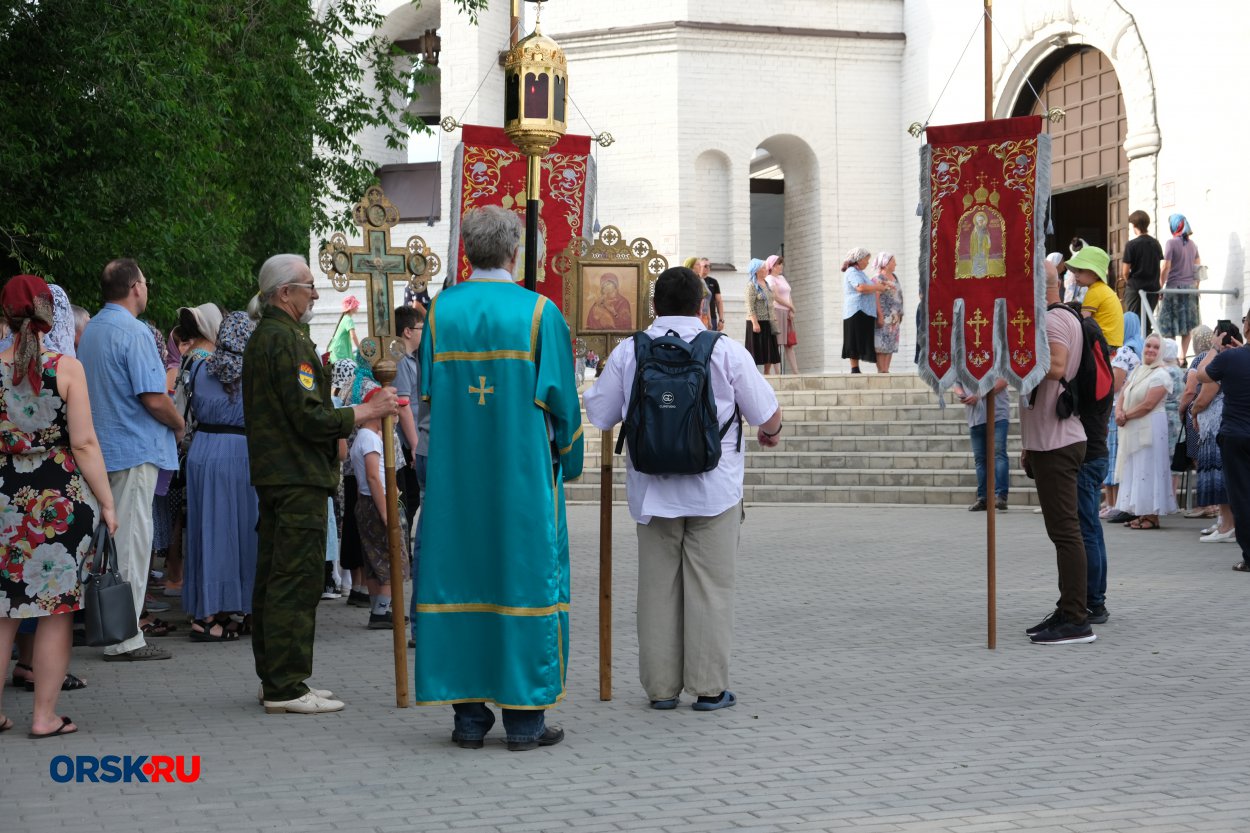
[
  {"x": 1178, "y": 314},
  {"x": 345, "y": 342},
  {"x": 222, "y": 510},
  {"x": 1144, "y": 455},
  {"x": 889, "y": 310},
  {"x": 1123, "y": 362},
  {"x": 1206, "y": 412},
  {"x": 761, "y": 339},
  {"x": 783, "y": 308},
  {"x": 1202, "y": 338},
  {"x": 859, "y": 309},
  {"x": 54, "y": 489}
]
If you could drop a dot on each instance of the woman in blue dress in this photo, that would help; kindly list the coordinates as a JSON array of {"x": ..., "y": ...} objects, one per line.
[{"x": 221, "y": 503}]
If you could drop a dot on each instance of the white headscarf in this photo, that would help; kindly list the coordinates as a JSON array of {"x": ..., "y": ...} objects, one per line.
[{"x": 60, "y": 339}]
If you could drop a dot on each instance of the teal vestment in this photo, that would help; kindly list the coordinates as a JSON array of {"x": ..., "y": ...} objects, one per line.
[{"x": 492, "y": 586}]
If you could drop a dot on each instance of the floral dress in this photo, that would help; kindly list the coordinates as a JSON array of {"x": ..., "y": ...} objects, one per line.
[
  {"x": 47, "y": 511},
  {"x": 890, "y": 307}
]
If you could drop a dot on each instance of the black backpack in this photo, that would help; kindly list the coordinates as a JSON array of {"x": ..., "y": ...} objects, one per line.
[
  {"x": 670, "y": 424},
  {"x": 1089, "y": 393}
]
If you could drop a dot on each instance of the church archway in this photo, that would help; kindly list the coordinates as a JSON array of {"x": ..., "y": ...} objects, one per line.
[
  {"x": 788, "y": 175},
  {"x": 1089, "y": 167}
]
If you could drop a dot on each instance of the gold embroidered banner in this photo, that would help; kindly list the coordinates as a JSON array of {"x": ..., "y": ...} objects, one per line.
[
  {"x": 985, "y": 188},
  {"x": 489, "y": 170}
]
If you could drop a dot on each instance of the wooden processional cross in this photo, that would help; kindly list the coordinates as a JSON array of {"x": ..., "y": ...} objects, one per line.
[{"x": 380, "y": 267}]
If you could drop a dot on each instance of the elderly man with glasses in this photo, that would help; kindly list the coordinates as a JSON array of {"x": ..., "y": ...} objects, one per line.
[{"x": 292, "y": 431}]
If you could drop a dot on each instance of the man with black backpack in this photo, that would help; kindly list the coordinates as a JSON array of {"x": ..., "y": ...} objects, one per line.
[{"x": 682, "y": 392}]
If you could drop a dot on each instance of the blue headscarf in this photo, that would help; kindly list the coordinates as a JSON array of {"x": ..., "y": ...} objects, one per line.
[
  {"x": 752, "y": 268},
  {"x": 1180, "y": 226},
  {"x": 1132, "y": 333}
]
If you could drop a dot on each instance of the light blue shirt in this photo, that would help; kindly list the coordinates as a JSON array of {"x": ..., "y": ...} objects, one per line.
[
  {"x": 118, "y": 354},
  {"x": 865, "y": 302}
]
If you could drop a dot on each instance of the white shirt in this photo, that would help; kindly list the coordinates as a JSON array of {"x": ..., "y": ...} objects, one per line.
[
  {"x": 734, "y": 380},
  {"x": 366, "y": 442}
]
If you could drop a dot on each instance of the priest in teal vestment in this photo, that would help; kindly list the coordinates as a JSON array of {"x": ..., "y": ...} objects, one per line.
[{"x": 491, "y": 593}]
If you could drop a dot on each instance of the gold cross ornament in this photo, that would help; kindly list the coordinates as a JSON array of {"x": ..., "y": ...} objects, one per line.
[
  {"x": 977, "y": 321},
  {"x": 1021, "y": 321},
  {"x": 481, "y": 390},
  {"x": 939, "y": 323}
]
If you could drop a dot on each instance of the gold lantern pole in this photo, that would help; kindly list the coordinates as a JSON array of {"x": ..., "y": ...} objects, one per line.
[{"x": 535, "y": 103}]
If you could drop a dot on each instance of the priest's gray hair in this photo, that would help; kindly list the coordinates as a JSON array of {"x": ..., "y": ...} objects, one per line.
[
  {"x": 491, "y": 236},
  {"x": 275, "y": 273}
]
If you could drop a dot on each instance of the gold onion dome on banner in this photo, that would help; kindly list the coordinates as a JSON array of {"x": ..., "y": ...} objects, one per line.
[
  {"x": 980, "y": 197},
  {"x": 535, "y": 93}
]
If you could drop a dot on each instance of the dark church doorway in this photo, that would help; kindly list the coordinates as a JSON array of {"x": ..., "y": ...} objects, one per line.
[{"x": 1080, "y": 212}]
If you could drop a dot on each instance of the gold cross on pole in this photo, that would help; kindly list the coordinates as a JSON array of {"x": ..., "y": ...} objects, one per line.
[
  {"x": 939, "y": 323},
  {"x": 1021, "y": 321},
  {"x": 977, "y": 321},
  {"x": 481, "y": 390},
  {"x": 377, "y": 264}
]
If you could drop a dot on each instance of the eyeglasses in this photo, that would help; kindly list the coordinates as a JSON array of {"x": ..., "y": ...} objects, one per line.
[{"x": 309, "y": 286}]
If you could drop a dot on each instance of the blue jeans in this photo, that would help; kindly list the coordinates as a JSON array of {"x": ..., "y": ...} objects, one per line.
[
  {"x": 1002, "y": 468},
  {"x": 474, "y": 720},
  {"x": 1088, "y": 496}
]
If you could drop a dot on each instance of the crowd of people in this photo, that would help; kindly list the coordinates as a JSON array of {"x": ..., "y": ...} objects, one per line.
[{"x": 249, "y": 467}]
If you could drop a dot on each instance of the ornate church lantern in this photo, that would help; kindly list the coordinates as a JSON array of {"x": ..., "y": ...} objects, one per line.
[{"x": 536, "y": 87}]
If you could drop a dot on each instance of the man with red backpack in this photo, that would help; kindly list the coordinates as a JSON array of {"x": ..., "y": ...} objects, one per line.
[{"x": 1054, "y": 451}]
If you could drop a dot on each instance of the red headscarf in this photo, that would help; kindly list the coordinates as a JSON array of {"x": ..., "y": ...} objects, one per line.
[{"x": 27, "y": 303}]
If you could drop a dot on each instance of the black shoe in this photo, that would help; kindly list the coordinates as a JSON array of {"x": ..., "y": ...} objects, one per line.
[
  {"x": 1119, "y": 517},
  {"x": 467, "y": 743},
  {"x": 979, "y": 506},
  {"x": 1064, "y": 633},
  {"x": 355, "y": 598},
  {"x": 381, "y": 622},
  {"x": 1048, "y": 622},
  {"x": 550, "y": 737},
  {"x": 1098, "y": 615},
  {"x": 1000, "y": 503}
]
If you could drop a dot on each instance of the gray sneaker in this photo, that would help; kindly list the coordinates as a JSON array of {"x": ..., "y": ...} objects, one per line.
[{"x": 147, "y": 652}]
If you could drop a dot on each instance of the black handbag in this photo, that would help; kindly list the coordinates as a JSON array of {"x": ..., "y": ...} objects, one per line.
[{"x": 107, "y": 600}]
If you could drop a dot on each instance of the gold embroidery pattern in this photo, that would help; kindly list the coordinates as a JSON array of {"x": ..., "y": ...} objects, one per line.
[
  {"x": 481, "y": 390},
  {"x": 502, "y": 610},
  {"x": 1019, "y": 160}
]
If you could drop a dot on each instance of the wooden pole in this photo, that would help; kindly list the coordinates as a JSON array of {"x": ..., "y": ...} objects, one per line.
[
  {"x": 385, "y": 371},
  {"x": 605, "y": 567},
  {"x": 514, "y": 27},
  {"x": 991, "y": 566}
]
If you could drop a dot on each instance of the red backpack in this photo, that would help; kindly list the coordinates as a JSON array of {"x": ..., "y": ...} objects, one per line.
[{"x": 1090, "y": 391}]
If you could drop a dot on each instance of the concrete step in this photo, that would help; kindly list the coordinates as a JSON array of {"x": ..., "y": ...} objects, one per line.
[
  {"x": 817, "y": 444},
  {"x": 849, "y": 495},
  {"x": 892, "y": 478}
]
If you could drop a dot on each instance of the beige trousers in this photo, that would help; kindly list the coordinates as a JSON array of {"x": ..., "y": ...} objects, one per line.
[
  {"x": 685, "y": 603},
  {"x": 133, "y": 490}
]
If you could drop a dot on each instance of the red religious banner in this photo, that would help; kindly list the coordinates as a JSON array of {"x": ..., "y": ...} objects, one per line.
[
  {"x": 984, "y": 192},
  {"x": 489, "y": 170}
]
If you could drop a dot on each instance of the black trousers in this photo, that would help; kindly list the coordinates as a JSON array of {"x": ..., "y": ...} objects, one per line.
[{"x": 1235, "y": 455}]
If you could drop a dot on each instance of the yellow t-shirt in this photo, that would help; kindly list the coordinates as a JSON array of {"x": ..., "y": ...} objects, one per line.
[{"x": 1102, "y": 302}]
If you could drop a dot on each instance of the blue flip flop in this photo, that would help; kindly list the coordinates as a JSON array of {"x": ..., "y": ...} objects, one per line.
[
  {"x": 726, "y": 699},
  {"x": 664, "y": 705}
]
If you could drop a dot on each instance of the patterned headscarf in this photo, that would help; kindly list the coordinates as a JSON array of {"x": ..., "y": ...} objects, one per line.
[
  {"x": 769, "y": 263},
  {"x": 1169, "y": 352},
  {"x": 1202, "y": 336},
  {"x": 160, "y": 342},
  {"x": 351, "y": 377},
  {"x": 27, "y": 303},
  {"x": 226, "y": 362},
  {"x": 1180, "y": 226},
  {"x": 60, "y": 339},
  {"x": 854, "y": 256},
  {"x": 881, "y": 261}
]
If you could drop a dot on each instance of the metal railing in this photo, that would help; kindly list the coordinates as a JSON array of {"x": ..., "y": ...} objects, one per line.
[{"x": 1149, "y": 310}]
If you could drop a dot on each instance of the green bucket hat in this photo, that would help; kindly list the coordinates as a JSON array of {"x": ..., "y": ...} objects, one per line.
[{"x": 1092, "y": 258}]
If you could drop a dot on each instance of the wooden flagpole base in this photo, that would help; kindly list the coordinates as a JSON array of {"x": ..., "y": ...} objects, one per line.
[{"x": 605, "y": 568}]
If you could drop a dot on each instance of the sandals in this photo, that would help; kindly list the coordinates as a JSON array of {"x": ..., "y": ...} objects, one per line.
[
  {"x": 71, "y": 682},
  {"x": 1143, "y": 523},
  {"x": 5, "y": 724},
  {"x": 205, "y": 634},
  {"x": 157, "y": 627},
  {"x": 60, "y": 730}
]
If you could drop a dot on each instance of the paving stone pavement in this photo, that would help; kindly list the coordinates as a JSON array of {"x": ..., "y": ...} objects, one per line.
[{"x": 868, "y": 702}]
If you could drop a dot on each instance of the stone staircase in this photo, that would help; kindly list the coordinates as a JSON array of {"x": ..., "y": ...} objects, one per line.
[{"x": 862, "y": 439}]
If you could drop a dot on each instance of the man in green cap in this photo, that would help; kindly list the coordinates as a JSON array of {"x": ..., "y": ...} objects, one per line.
[{"x": 293, "y": 431}]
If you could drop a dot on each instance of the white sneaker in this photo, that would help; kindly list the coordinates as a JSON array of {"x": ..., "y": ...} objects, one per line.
[
  {"x": 1218, "y": 537},
  {"x": 308, "y": 704},
  {"x": 324, "y": 694}
]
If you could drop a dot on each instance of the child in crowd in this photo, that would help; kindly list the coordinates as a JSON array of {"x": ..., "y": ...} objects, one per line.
[{"x": 366, "y": 459}]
